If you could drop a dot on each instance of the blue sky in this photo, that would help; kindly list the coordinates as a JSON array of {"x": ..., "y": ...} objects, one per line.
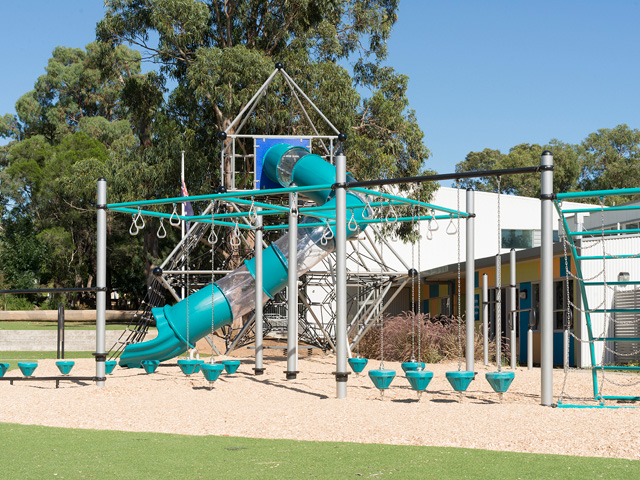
[{"x": 483, "y": 74}]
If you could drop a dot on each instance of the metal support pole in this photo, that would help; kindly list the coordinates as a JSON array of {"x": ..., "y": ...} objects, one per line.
[
  {"x": 546, "y": 279},
  {"x": 485, "y": 318},
  {"x": 60, "y": 352},
  {"x": 259, "y": 353},
  {"x": 292, "y": 290},
  {"x": 530, "y": 347},
  {"x": 498, "y": 311},
  {"x": 341, "y": 277},
  {"x": 512, "y": 305},
  {"x": 470, "y": 268},
  {"x": 101, "y": 281}
]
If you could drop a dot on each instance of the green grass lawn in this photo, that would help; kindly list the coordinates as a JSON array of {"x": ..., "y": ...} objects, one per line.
[{"x": 44, "y": 452}]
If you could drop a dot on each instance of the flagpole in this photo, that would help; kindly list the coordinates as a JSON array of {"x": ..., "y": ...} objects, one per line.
[{"x": 183, "y": 210}]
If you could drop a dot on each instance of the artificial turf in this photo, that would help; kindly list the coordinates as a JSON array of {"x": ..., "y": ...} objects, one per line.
[{"x": 45, "y": 452}]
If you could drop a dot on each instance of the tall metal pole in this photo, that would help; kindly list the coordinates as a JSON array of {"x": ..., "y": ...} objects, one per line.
[
  {"x": 512, "y": 305},
  {"x": 470, "y": 268},
  {"x": 292, "y": 290},
  {"x": 485, "y": 318},
  {"x": 101, "y": 281},
  {"x": 546, "y": 279},
  {"x": 341, "y": 276},
  {"x": 259, "y": 353}
]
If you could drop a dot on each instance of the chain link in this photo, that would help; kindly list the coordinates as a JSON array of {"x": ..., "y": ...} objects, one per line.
[
  {"x": 499, "y": 286},
  {"x": 458, "y": 318}
]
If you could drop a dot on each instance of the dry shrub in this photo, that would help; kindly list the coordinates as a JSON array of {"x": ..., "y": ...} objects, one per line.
[{"x": 438, "y": 340}]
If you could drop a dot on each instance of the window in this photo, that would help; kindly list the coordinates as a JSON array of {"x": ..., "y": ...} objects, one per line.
[{"x": 517, "y": 238}]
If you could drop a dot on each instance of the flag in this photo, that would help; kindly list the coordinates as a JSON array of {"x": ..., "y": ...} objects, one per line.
[{"x": 187, "y": 205}]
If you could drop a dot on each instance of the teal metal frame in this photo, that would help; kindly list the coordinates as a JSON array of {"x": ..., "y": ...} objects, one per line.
[{"x": 577, "y": 262}]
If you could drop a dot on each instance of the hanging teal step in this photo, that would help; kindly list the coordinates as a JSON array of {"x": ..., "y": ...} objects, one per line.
[
  {"x": 27, "y": 368},
  {"x": 409, "y": 366},
  {"x": 500, "y": 381},
  {"x": 3, "y": 368},
  {"x": 109, "y": 365},
  {"x": 150, "y": 365},
  {"x": 230, "y": 366},
  {"x": 460, "y": 380},
  {"x": 65, "y": 366},
  {"x": 199, "y": 364},
  {"x": 211, "y": 371},
  {"x": 419, "y": 379},
  {"x": 188, "y": 366},
  {"x": 382, "y": 378},
  {"x": 358, "y": 364}
]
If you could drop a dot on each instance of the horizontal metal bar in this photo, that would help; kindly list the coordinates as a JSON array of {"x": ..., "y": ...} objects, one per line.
[
  {"x": 410, "y": 201},
  {"x": 599, "y": 284},
  {"x": 614, "y": 367},
  {"x": 598, "y": 193},
  {"x": 192, "y": 218},
  {"x": 616, "y": 339},
  {"x": 605, "y": 257},
  {"x": 445, "y": 176},
  {"x": 56, "y": 290},
  {"x": 48, "y": 379},
  {"x": 598, "y": 209},
  {"x": 360, "y": 222},
  {"x": 591, "y": 233},
  {"x": 303, "y": 137},
  {"x": 195, "y": 272},
  {"x": 618, "y": 397},
  {"x": 219, "y": 196},
  {"x": 615, "y": 310}
]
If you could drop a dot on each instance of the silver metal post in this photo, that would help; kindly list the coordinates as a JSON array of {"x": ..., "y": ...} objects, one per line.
[
  {"x": 512, "y": 305},
  {"x": 530, "y": 347},
  {"x": 485, "y": 318},
  {"x": 292, "y": 290},
  {"x": 470, "y": 268},
  {"x": 341, "y": 277},
  {"x": 498, "y": 311},
  {"x": 546, "y": 279},
  {"x": 101, "y": 280},
  {"x": 259, "y": 367}
]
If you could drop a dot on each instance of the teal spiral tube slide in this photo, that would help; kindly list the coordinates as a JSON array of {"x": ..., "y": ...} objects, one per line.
[{"x": 181, "y": 325}]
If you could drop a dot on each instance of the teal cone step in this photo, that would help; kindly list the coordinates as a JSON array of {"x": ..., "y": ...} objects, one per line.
[
  {"x": 150, "y": 365},
  {"x": 3, "y": 368},
  {"x": 230, "y": 366},
  {"x": 27, "y": 368},
  {"x": 189, "y": 366},
  {"x": 410, "y": 366},
  {"x": 419, "y": 379},
  {"x": 500, "y": 381},
  {"x": 109, "y": 365},
  {"x": 460, "y": 380},
  {"x": 65, "y": 366},
  {"x": 382, "y": 378},
  {"x": 358, "y": 364},
  {"x": 211, "y": 371},
  {"x": 200, "y": 363}
]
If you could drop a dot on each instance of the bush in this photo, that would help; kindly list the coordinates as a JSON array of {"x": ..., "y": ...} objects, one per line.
[{"x": 438, "y": 340}]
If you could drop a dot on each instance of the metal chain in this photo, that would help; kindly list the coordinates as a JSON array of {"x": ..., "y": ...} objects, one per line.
[
  {"x": 459, "y": 318},
  {"x": 213, "y": 209},
  {"x": 499, "y": 287},
  {"x": 419, "y": 284},
  {"x": 413, "y": 289},
  {"x": 381, "y": 316}
]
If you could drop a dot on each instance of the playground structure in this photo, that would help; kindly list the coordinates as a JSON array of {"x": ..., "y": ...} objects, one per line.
[{"x": 339, "y": 212}]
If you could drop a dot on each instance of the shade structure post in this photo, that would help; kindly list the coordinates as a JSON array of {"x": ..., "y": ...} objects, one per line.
[
  {"x": 101, "y": 281},
  {"x": 258, "y": 321},
  {"x": 470, "y": 281},
  {"x": 292, "y": 290},
  {"x": 546, "y": 279},
  {"x": 341, "y": 276},
  {"x": 485, "y": 318}
]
